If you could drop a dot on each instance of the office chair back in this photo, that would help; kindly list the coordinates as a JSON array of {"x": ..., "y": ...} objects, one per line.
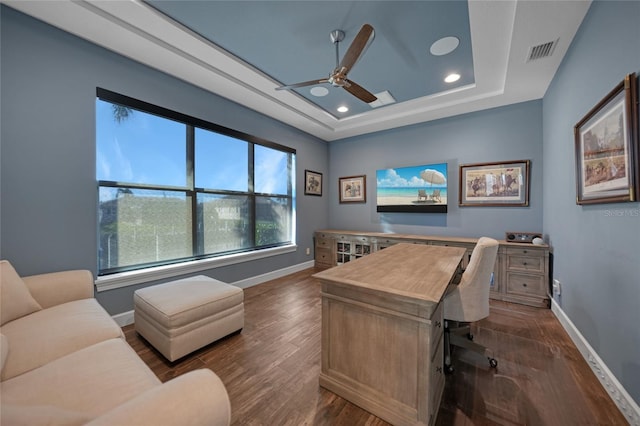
[{"x": 469, "y": 300}]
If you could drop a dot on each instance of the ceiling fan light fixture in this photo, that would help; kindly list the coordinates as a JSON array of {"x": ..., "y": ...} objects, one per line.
[
  {"x": 444, "y": 46},
  {"x": 451, "y": 78},
  {"x": 343, "y": 108},
  {"x": 319, "y": 91}
]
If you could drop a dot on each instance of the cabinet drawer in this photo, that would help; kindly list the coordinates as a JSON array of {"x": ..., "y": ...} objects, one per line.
[
  {"x": 525, "y": 263},
  {"x": 437, "y": 325},
  {"x": 324, "y": 256},
  {"x": 531, "y": 285},
  {"x": 323, "y": 243},
  {"x": 436, "y": 381},
  {"x": 525, "y": 251}
]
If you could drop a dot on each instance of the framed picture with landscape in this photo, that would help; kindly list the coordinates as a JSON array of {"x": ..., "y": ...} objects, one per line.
[
  {"x": 606, "y": 144},
  {"x": 353, "y": 189},
  {"x": 503, "y": 184}
]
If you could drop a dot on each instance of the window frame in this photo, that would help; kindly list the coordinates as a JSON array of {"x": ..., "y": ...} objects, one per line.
[{"x": 127, "y": 275}]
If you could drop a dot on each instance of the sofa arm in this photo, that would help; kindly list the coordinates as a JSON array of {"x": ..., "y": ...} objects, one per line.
[
  {"x": 195, "y": 398},
  {"x": 56, "y": 288}
]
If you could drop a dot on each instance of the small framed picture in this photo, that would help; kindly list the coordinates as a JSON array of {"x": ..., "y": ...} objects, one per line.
[
  {"x": 606, "y": 142},
  {"x": 312, "y": 183},
  {"x": 503, "y": 184},
  {"x": 353, "y": 189}
]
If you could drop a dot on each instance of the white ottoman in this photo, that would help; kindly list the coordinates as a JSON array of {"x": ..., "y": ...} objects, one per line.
[{"x": 181, "y": 316}]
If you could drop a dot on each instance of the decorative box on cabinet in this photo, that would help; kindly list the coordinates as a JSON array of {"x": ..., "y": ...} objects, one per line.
[{"x": 520, "y": 274}]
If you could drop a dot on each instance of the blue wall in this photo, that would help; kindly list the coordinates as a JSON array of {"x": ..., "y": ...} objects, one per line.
[
  {"x": 508, "y": 133},
  {"x": 48, "y": 189},
  {"x": 596, "y": 247},
  {"x": 47, "y": 174}
]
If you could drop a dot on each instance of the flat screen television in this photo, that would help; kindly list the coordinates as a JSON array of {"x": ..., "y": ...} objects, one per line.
[{"x": 416, "y": 189}]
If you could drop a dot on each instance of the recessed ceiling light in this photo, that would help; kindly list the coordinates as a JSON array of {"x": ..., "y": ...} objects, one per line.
[
  {"x": 343, "y": 108},
  {"x": 444, "y": 45},
  {"x": 319, "y": 91},
  {"x": 452, "y": 77}
]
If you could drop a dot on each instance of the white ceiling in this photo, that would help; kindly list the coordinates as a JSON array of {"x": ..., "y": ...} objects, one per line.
[{"x": 502, "y": 33}]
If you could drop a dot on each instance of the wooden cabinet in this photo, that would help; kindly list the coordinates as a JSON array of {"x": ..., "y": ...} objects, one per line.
[
  {"x": 527, "y": 275},
  {"x": 520, "y": 275},
  {"x": 324, "y": 251},
  {"x": 349, "y": 248}
]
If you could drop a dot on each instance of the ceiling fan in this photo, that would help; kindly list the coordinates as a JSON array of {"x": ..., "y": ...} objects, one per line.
[{"x": 338, "y": 78}]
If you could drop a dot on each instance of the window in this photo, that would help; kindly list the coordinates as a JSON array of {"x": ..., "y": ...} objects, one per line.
[{"x": 173, "y": 188}]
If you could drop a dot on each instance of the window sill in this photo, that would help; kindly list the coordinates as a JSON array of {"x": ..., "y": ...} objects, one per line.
[{"x": 125, "y": 279}]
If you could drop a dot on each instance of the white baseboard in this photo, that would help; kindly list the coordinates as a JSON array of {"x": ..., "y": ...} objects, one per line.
[
  {"x": 258, "y": 279},
  {"x": 618, "y": 394},
  {"x": 126, "y": 318}
]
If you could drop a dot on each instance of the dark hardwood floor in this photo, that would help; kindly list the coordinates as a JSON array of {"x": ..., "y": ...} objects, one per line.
[{"x": 271, "y": 368}]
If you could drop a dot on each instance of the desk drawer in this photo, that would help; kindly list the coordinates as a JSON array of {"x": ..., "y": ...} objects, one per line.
[
  {"x": 530, "y": 285},
  {"x": 437, "y": 326},
  {"x": 436, "y": 381}
]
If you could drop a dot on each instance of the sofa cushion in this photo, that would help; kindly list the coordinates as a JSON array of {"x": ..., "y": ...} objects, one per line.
[
  {"x": 4, "y": 350},
  {"x": 89, "y": 382},
  {"x": 54, "y": 332},
  {"x": 15, "y": 299},
  {"x": 29, "y": 415}
]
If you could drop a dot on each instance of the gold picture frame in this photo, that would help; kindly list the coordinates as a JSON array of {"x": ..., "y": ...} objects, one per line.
[{"x": 606, "y": 146}]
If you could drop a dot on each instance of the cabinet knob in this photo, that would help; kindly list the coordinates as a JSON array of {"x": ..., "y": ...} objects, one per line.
[
  {"x": 524, "y": 263},
  {"x": 524, "y": 284}
]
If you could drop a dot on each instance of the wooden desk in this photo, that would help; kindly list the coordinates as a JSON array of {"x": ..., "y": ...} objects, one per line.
[{"x": 382, "y": 329}]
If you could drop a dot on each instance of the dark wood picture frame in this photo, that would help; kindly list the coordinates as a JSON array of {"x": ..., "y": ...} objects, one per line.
[
  {"x": 503, "y": 184},
  {"x": 312, "y": 183},
  {"x": 606, "y": 147},
  {"x": 353, "y": 189}
]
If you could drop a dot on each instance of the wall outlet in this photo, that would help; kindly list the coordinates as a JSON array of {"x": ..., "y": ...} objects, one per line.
[
  {"x": 557, "y": 291},
  {"x": 308, "y": 251}
]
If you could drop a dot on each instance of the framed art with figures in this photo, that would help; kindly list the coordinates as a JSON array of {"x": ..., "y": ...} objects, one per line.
[
  {"x": 606, "y": 145},
  {"x": 312, "y": 183},
  {"x": 353, "y": 189},
  {"x": 504, "y": 184}
]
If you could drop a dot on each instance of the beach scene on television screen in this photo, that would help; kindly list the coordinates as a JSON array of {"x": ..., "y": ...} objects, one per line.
[{"x": 412, "y": 186}]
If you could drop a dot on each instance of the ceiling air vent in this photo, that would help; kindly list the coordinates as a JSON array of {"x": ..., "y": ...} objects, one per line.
[{"x": 542, "y": 50}]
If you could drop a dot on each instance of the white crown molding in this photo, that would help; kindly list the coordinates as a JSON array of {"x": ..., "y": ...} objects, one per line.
[{"x": 500, "y": 32}]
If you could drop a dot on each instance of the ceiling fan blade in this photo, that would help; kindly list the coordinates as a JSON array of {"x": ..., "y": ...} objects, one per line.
[
  {"x": 303, "y": 84},
  {"x": 358, "y": 46},
  {"x": 359, "y": 92}
]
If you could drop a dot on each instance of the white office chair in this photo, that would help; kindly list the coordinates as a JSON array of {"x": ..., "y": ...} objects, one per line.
[{"x": 469, "y": 301}]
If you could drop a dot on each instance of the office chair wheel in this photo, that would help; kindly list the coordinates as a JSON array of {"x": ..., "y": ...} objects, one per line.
[
  {"x": 493, "y": 363},
  {"x": 448, "y": 369},
  {"x": 469, "y": 336}
]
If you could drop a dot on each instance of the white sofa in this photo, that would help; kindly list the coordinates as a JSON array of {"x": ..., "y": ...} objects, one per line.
[{"x": 64, "y": 361}]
